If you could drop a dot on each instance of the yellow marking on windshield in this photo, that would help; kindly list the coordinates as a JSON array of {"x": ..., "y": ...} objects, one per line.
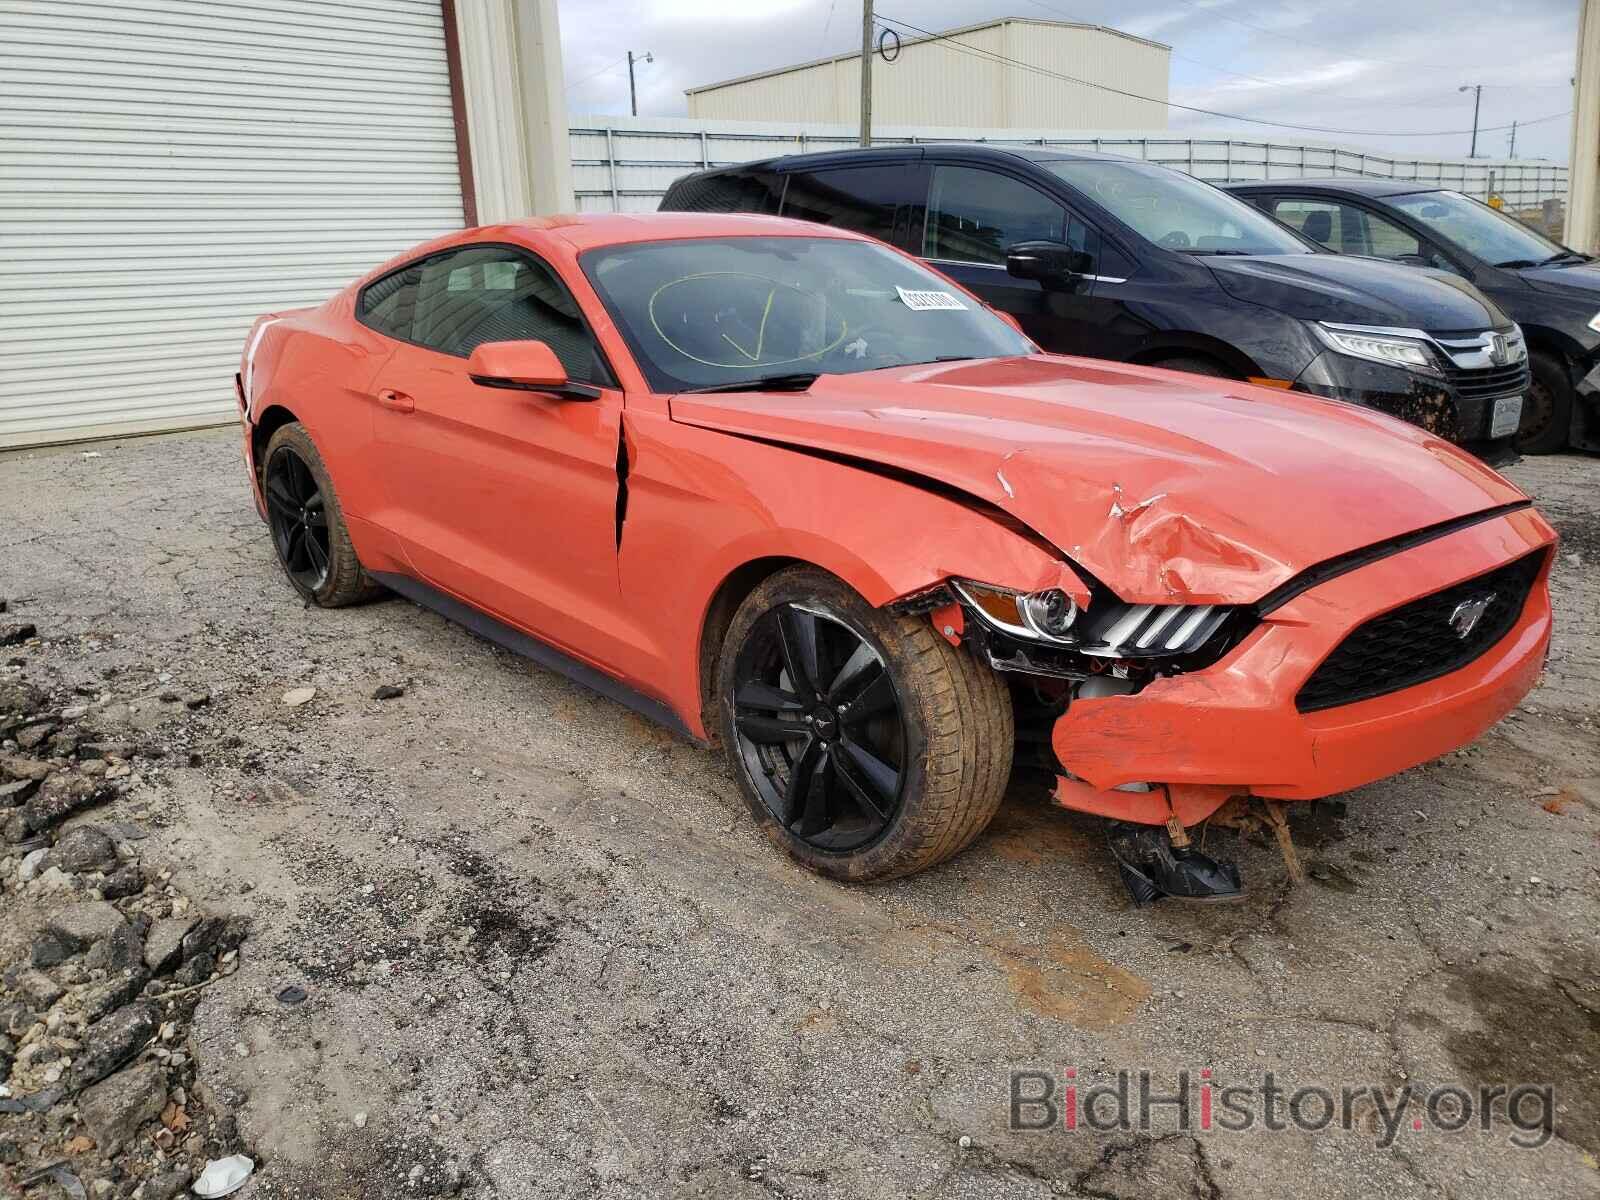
[
  {"x": 761, "y": 332},
  {"x": 774, "y": 285}
]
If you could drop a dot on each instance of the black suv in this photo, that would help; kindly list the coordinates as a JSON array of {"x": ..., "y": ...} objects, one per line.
[
  {"x": 1552, "y": 292},
  {"x": 1121, "y": 259}
]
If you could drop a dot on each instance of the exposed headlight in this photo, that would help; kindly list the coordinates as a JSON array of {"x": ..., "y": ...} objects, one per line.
[
  {"x": 1396, "y": 349},
  {"x": 1594, "y": 322},
  {"x": 1042, "y": 616}
]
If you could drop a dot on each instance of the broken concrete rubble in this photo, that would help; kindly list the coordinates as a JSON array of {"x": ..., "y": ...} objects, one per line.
[
  {"x": 113, "y": 1040},
  {"x": 86, "y": 848},
  {"x": 96, "y": 1074},
  {"x": 114, "y": 1109}
]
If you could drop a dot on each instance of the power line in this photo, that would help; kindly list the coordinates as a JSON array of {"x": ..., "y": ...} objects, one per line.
[
  {"x": 597, "y": 74},
  {"x": 1213, "y": 66},
  {"x": 1280, "y": 83},
  {"x": 1003, "y": 60},
  {"x": 1211, "y": 12}
]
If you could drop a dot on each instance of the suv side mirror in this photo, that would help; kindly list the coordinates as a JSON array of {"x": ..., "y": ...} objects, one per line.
[
  {"x": 524, "y": 366},
  {"x": 1048, "y": 263}
]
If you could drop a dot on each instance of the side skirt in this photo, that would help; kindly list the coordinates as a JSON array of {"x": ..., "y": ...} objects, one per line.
[{"x": 529, "y": 647}]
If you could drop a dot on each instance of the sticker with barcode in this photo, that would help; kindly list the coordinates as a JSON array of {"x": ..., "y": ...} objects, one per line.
[{"x": 929, "y": 301}]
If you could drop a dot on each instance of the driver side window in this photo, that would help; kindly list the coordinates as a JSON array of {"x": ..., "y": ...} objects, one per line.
[
  {"x": 975, "y": 214},
  {"x": 499, "y": 294}
]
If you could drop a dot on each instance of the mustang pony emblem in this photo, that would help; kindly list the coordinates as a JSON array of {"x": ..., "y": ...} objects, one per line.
[{"x": 1466, "y": 615}]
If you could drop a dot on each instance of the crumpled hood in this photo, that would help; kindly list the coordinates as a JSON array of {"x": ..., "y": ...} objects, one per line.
[
  {"x": 1357, "y": 291},
  {"x": 1167, "y": 487}
]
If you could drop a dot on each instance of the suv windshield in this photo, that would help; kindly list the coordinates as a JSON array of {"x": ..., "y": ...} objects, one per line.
[
  {"x": 1478, "y": 229},
  {"x": 1177, "y": 210},
  {"x": 719, "y": 312}
]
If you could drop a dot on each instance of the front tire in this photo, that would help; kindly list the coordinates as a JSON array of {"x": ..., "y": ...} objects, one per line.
[
  {"x": 866, "y": 746},
  {"x": 307, "y": 524},
  {"x": 1547, "y": 412}
]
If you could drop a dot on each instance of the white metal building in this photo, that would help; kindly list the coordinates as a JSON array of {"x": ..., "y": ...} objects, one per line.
[
  {"x": 1006, "y": 74},
  {"x": 170, "y": 169}
]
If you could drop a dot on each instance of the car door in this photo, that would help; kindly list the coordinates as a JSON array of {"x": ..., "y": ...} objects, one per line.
[
  {"x": 504, "y": 498},
  {"x": 975, "y": 214}
]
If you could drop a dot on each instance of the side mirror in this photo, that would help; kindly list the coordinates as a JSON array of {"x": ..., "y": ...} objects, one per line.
[
  {"x": 526, "y": 367},
  {"x": 1048, "y": 263}
]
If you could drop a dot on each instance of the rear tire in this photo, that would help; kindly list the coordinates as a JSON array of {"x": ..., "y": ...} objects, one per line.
[
  {"x": 804, "y": 752},
  {"x": 1547, "y": 412},
  {"x": 308, "y": 530}
]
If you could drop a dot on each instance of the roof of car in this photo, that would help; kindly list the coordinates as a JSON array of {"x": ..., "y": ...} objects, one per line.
[
  {"x": 960, "y": 151},
  {"x": 1357, "y": 187},
  {"x": 584, "y": 231}
]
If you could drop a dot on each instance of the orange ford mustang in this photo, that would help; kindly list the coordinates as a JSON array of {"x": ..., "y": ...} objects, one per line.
[{"x": 788, "y": 490}]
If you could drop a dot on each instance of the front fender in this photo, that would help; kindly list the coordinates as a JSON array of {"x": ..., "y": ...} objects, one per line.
[{"x": 702, "y": 505}]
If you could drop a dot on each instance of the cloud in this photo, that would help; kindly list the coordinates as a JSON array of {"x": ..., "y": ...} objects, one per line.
[{"x": 1368, "y": 65}]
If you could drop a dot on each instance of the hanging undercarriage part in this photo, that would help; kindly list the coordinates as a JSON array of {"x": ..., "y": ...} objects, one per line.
[
  {"x": 1255, "y": 815},
  {"x": 1154, "y": 865}
]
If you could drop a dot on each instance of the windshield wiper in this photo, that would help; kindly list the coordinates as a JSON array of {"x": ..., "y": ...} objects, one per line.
[
  {"x": 1513, "y": 263},
  {"x": 1210, "y": 250},
  {"x": 1565, "y": 256},
  {"x": 798, "y": 381}
]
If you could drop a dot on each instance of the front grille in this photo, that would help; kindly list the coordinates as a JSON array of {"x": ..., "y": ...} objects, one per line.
[
  {"x": 1417, "y": 642},
  {"x": 1480, "y": 383}
]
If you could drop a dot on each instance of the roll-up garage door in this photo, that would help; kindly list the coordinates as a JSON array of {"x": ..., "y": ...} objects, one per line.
[{"x": 169, "y": 169}]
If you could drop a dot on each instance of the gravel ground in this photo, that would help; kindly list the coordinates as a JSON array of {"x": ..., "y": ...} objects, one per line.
[{"x": 546, "y": 953}]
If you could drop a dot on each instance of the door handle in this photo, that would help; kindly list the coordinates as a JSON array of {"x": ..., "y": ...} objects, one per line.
[{"x": 398, "y": 401}]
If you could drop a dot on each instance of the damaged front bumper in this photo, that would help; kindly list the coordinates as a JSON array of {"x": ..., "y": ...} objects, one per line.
[
  {"x": 1431, "y": 401},
  {"x": 1184, "y": 744}
]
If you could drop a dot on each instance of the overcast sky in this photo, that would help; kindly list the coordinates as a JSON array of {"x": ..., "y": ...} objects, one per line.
[{"x": 1384, "y": 66}]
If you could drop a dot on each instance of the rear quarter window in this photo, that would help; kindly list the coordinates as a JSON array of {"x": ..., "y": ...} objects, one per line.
[
  {"x": 725, "y": 192},
  {"x": 387, "y": 304},
  {"x": 881, "y": 200}
]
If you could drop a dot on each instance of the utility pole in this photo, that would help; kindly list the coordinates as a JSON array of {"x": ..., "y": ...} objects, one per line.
[
  {"x": 633, "y": 94},
  {"x": 1477, "y": 98},
  {"x": 1512, "y": 152},
  {"x": 866, "y": 72},
  {"x": 1583, "y": 181}
]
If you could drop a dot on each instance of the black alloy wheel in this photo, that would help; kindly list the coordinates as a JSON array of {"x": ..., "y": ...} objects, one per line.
[
  {"x": 298, "y": 518},
  {"x": 820, "y": 728}
]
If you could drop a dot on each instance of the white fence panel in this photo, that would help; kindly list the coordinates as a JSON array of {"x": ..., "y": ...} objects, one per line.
[{"x": 626, "y": 164}]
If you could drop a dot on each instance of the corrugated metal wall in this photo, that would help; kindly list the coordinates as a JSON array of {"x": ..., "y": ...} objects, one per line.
[
  {"x": 170, "y": 169},
  {"x": 625, "y": 164},
  {"x": 960, "y": 79},
  {"x": 1034, "y": 98}
]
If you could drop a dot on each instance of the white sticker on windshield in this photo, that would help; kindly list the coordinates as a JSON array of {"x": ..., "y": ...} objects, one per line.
[{"x": 928, "y": 301}]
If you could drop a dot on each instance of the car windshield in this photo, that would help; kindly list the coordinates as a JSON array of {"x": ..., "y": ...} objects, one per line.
[
  {"x": 1478, "y": 229},
  {"x": 1176, "y": 210},
  {"x": 721, "y": 312}
]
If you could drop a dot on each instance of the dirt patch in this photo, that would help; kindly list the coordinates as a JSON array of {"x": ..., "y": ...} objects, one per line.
[
  {"x": 1537, "y": 1029},
  {"x": 1061, "y": 976},
  {"x": 1033, "y": 833}
]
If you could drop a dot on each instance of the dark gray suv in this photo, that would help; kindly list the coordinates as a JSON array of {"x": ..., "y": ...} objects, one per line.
[{"x": 1115, "y": 258}]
